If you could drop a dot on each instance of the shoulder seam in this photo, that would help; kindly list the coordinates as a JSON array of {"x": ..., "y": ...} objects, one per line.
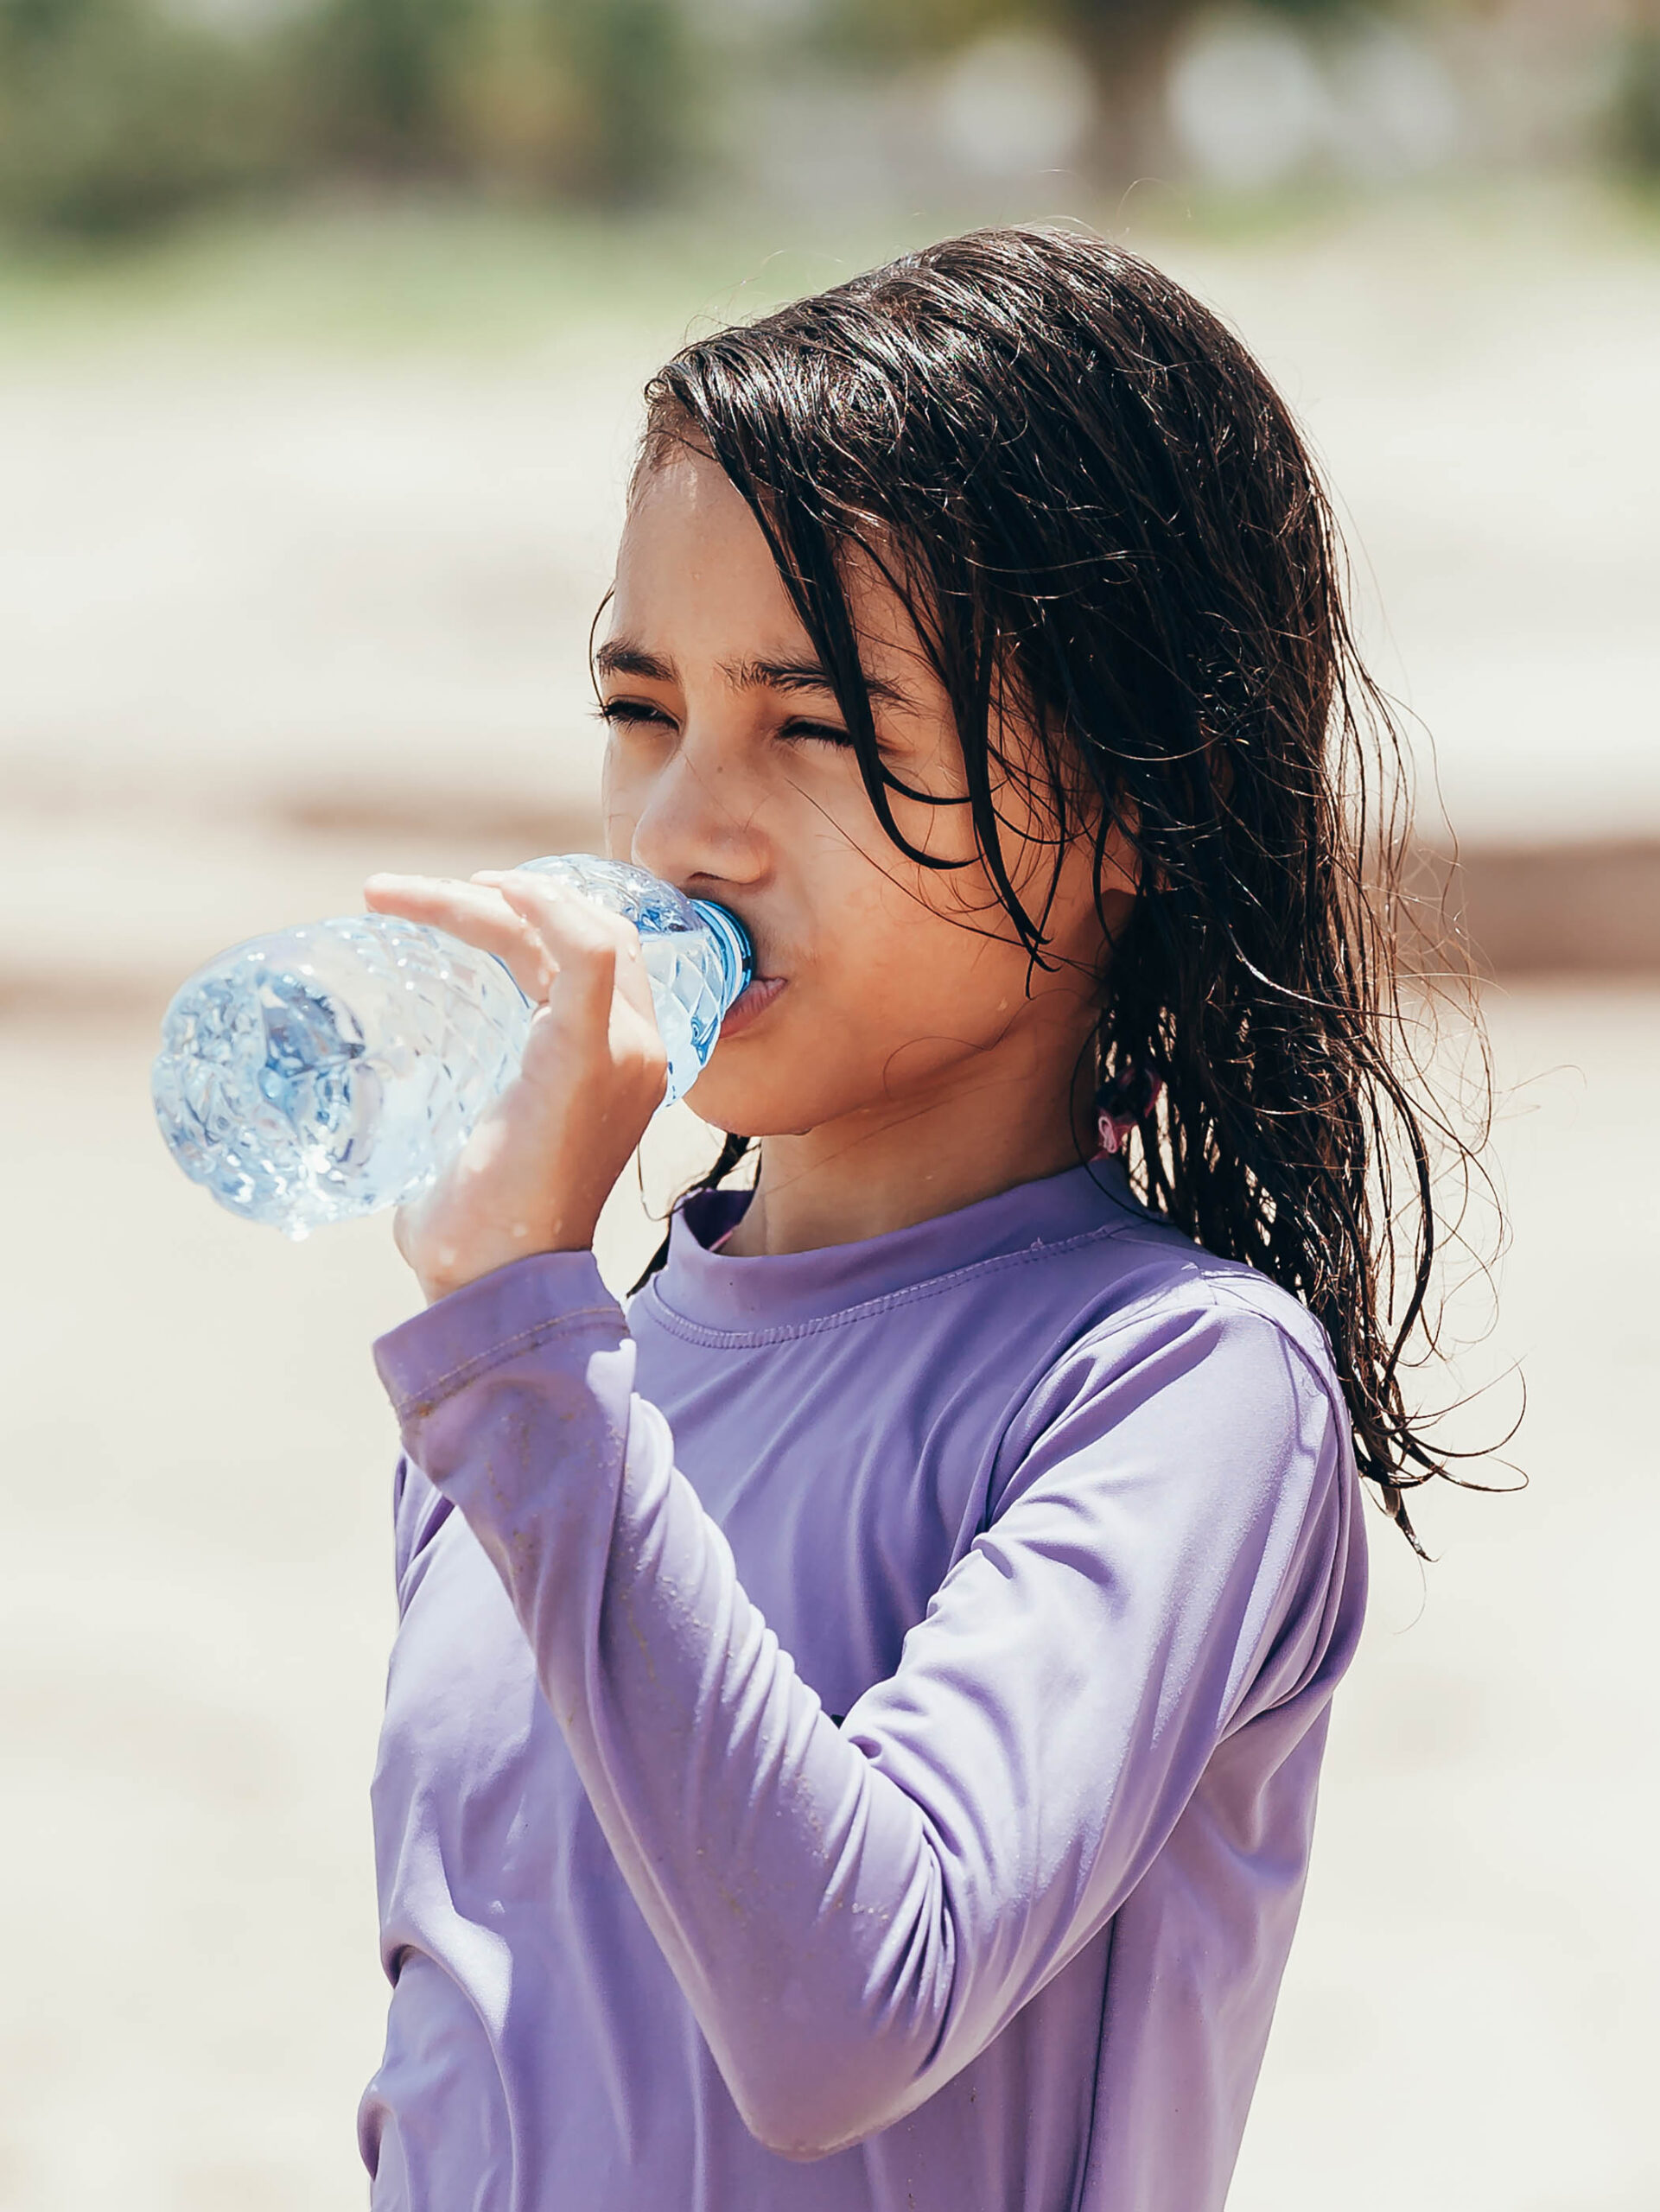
[
  {"x": 1208, "y": 1295},
  {"x": 1205, "y": 1290}
]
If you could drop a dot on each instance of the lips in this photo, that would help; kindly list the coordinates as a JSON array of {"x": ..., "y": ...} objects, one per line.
[{"x": 750, "y": 1003}]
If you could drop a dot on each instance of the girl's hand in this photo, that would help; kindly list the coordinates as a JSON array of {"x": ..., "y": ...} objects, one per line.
[{"x": 543, "y": 1159}]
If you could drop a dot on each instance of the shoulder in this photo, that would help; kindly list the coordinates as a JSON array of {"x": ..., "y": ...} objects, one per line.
[
  {"x": 1166, "y": 1290},
  {"x": 1190, "y": 1450},
  {"x": 1131, "y": 1282},
  {"x": 1252, "y": 1467},
  {"x": 1205, "y": 1358}
]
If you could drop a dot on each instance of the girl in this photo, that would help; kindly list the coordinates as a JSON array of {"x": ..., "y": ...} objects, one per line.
[{"x": 853, "y": 1729}]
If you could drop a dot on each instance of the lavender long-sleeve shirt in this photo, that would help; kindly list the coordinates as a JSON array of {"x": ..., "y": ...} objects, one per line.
[{"x": 852, "y": 1733}]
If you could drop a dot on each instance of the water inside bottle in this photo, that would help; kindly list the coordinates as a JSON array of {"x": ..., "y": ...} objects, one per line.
[{"x": 322, "y": 1074}]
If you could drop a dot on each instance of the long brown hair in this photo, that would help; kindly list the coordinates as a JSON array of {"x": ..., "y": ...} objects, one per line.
[{"x": 1095, "y": 505}]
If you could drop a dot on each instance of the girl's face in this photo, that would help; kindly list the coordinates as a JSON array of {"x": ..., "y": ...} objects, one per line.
[{"x": 881, "y": 986}]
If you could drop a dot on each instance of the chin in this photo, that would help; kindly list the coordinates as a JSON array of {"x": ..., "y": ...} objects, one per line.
[{"x": 749, "y": 1105}]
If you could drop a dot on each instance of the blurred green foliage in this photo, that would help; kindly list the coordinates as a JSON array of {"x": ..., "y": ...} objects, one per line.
[
  {"x": 582, "y": 96},
  {"x": 1636, "y": 106},
  {"x": 115, "y": 114},
  {"x": 382, "y": 74}
]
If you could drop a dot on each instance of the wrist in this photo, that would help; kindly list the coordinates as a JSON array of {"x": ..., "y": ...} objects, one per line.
[
  {"x": 445, "y": 1284},
  {"x": 442, "y": 1267}
]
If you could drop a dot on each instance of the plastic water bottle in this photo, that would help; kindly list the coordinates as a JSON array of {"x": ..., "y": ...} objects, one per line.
[{"x": 333, "y": 1069}]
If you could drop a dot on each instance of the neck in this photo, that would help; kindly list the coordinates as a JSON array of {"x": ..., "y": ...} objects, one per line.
[{"x": 891, "y": 1164}]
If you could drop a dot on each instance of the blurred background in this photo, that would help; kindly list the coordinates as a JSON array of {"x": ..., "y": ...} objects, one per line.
[{"x": 322, "y": 324}]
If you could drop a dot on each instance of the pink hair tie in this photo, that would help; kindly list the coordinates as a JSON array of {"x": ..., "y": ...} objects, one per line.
[{"x": 1123, "y": 1102}]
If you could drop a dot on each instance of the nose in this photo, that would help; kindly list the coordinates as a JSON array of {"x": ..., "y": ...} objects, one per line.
[{"x": 695, "y": 824}]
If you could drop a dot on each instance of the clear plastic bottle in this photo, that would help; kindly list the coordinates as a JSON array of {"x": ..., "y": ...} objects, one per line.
[{"x": 333, "y": 1069}]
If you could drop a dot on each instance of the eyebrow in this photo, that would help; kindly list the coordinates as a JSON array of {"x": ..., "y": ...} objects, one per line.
[{"x": 619, "y": 657}]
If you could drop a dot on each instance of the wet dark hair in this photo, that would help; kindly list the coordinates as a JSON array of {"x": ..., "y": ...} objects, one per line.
[{"x": 1099, "y": 512}]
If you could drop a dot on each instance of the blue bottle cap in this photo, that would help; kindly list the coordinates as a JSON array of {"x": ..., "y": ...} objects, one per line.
[{"x": 737, "y": 954}]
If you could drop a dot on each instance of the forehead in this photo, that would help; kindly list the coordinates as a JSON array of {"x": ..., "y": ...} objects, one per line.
[
  {"x": 693, "y": 557},
  {"x": 685, "y": 516}
]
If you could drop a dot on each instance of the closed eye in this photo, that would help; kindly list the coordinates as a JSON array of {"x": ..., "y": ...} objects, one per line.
[
  {"x": 635, "y": 714},
  {"x": 816, "y": 733},
  {"x": 630, "y": 712}
]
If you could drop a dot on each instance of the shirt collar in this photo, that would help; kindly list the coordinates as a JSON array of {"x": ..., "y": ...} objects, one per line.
[{"x": 718, "y": 1290}]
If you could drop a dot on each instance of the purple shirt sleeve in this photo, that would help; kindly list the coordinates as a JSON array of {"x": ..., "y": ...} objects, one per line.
[{"x": 855, "y": 1912}]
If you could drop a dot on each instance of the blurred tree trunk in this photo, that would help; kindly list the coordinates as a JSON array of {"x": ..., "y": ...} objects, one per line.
[
  {"x": 630, "y": 61},
  {"x": 1637, "y": 103},
  {"x": 1126, "y": 45},
  {"x": 1129, "y": 45},
  {"x": 375, "y": 76}
]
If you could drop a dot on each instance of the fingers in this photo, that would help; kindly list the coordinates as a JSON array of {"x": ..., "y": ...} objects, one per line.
[
  {"x": 476, "y": 913},
  {"x": 538, "y": 1165},
  {"x": 540, "y": 929},
  {"x": 594, "y": 953}
]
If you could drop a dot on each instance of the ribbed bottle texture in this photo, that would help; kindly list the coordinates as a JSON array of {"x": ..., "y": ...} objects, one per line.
[{"x": 333, "y": 1069}]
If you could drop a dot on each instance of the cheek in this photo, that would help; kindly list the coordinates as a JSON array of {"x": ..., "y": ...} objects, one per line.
[
  {"x": 615, "y": 813},
  {"x": 904, "y": 970},
  {"x": 621, "y": 802},
  {"x": 894, "y": 996},
  {"x": 619, "y": 834}
]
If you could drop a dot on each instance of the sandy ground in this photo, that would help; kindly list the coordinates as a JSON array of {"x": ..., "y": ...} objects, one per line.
[{"x": 196, "y": 1606}]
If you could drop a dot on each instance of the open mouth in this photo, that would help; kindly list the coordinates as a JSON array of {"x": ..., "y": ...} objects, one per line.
[{"x": 750, "y": 1003}]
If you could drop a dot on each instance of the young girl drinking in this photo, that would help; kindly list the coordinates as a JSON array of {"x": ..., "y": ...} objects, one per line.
[{"x": 852, "y": 1728}]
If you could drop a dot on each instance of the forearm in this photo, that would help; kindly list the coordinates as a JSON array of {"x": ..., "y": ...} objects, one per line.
[{"x": 792, "y": 1887}]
